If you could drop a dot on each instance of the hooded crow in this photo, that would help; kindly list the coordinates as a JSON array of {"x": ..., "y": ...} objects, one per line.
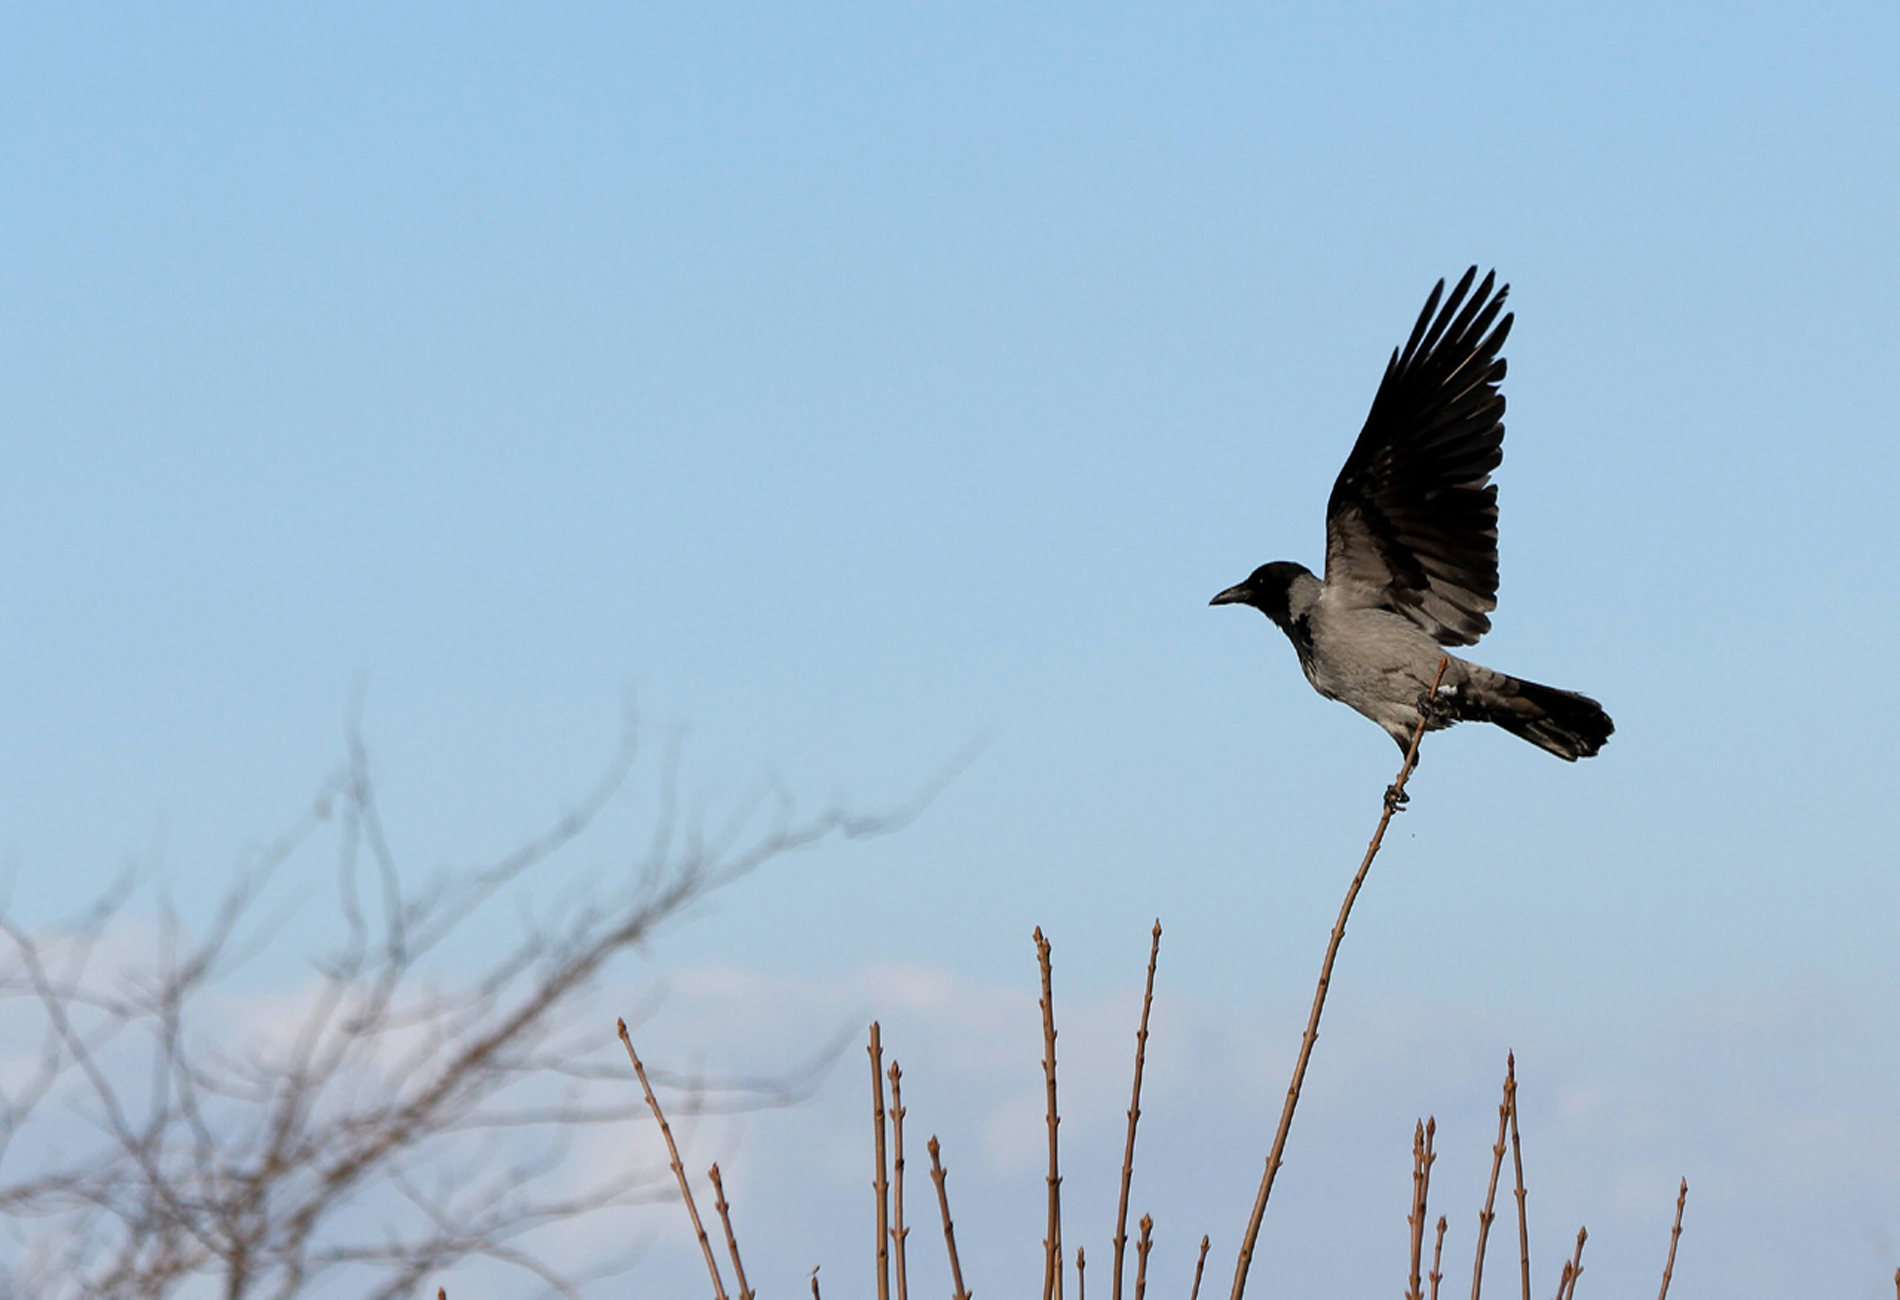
[{"x": 1412, "y": 548}]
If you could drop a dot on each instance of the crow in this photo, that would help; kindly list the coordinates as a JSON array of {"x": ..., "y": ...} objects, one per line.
[{"x": 1412, "y": 548}]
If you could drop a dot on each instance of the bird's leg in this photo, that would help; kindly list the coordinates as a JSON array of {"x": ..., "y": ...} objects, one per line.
[{"x": 1396, "y": 799}]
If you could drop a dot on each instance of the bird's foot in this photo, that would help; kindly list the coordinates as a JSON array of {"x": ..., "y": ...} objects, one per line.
[
  {"x": 1395, "y": 799},
  {"x": 1439, "y": 707}
]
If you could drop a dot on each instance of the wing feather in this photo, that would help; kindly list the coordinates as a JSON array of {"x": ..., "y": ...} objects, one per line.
[{"x": 1412, "y": 523}]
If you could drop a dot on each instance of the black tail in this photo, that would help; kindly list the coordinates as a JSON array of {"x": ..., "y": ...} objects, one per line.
[{"x": 1567, "y": 724}]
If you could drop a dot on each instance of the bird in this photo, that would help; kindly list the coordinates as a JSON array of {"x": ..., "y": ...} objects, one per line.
[{"x": 1412, "y": 548}]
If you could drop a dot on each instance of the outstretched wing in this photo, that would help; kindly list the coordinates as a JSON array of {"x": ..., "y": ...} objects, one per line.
[{"x": 1412, "y": 524}]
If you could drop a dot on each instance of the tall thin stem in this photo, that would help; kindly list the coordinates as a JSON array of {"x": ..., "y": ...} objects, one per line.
[
  {"x": 725, "y": 1221},
  {"x": 1394, "y": 796},
  {"x": 1134, "y": 1112},
  {"x": 1675, "y": 1235},
  {"x": 898, "y": 1230},
  {"x": 949, "y": 1233},
  {"x": 1490, "y": 1195},
  {"x": 879, "y": 1184},
  {"x": 1199, "y": 1264},
  {"x": 1517, "y": 1164},
  {"x": 1142, "y": 1247},
  {"x": 679, "y": 1170},
  {"x": 1052, "y": 1244}
]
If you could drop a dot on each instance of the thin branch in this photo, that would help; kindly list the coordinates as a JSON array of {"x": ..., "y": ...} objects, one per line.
[
  {"x": 1675, "y": 1235},
  {"x": 949, "y": 1233},
  {"x": 1394, "y": 796},
  {"x": 725, "y": 1221},
  {"x": 679, "y": 1170},
  {"x": 879, "y": 1184},
  {"x": 1134, "y": 1111},
  {"x": 1517, "y": 1163},
  {"x": 1422, "y": 1159},
  {"x": 1438, "y": 1256},
  {"x": 1490, "y": 1195},
  {"x": 898, "y": 1230},
  {"x": 1142, "y": 1247},
  {"x": 1199, "y": 1264},
  {"x": 1081, "y": 1279},
  {"x": 1052, "y": 1243},
  {"x": 1573, "y": 1269}
]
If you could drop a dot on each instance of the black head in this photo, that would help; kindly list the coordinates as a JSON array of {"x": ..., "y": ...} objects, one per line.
[{"x": 1265, "y": 589}]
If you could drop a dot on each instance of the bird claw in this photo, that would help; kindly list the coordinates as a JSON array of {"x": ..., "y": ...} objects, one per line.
[
  {"x": 1437, "y": 707},
  {"x": 1396, "y": 798}
]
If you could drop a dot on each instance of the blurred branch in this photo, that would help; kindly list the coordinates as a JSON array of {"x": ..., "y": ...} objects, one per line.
[{"x": 387, "y": 1120}]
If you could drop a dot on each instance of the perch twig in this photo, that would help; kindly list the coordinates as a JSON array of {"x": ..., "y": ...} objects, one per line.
[{"x": 1274, "y": 1156}]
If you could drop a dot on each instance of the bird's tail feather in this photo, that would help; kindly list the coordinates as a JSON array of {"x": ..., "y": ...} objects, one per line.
[{"x": 1567, "y": 724}]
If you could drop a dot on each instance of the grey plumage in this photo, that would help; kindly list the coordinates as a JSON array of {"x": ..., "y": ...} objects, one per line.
[{"x": 1412, "y": 547}]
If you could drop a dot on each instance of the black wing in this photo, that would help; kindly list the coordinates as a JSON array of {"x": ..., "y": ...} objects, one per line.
[{"x": 1412, "y": 524}]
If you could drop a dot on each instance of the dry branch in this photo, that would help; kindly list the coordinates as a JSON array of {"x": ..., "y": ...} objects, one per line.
[
  {"x": 1573, "y": 1269},
  {"x": 1199, "y": 1264},
  {"x": 725, "y": 1221},
  {"x": 1392, "y": 803},
  {"x": 949, "y": 1233},
  {"x": 879, "y": 1183},
  {"x": 898, "y": 1230},
  {"x": 1675, "y": 1235},
  {"x": 1134, "y": 1111},
  {"x": 1486, "y": 1215},
  {"x": 1422, "y": 1158},
  {"x": 1438, "y": 1255},
  {"x": 1142, "y": 1247},
  {"x": 1517, "y": 1165},
  {"x": 1052, "y": 1243},
  {"x": 679, "y": 1170}
]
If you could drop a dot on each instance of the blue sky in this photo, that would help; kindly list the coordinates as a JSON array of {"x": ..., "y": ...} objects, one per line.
[{"x": 856, "y": 385}]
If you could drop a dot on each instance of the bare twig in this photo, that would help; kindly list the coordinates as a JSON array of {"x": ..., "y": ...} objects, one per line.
[
  {"x": 725, "y": 1221},
  {"x": 814, "y": 1282},
  {"x": 949, "y": 1233},
  {"x": 679, "y": 1170},
  {"x": 1490, "y": 1194},
  {"x": 1278, "y": 1151},
  {"x": 1675, "y": 1235},
  {"x": 1199, "y": 1264},
  {"x": 1517, "y": 1164},
  {"x": 1573, "y": 1269},
  {"x": 1438, "y": 1255},
  {"x": 1081, "y": 1276},
  {"x": 1134, "y": 1111},
  {"x": 879, "y": 1184},
  {"x": 898, "y": 1230},
  {"x": 1142, "y": 1247},
  {"x": 1052, "y": 1243},
  {"x": 1422, "y": 1159}
]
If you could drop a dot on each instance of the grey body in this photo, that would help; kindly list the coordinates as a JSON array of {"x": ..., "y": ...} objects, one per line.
[{"x": 1411, "y": 549}]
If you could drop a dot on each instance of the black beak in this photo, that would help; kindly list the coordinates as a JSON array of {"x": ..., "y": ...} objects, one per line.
[{"x": 1232, "y": 596}]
